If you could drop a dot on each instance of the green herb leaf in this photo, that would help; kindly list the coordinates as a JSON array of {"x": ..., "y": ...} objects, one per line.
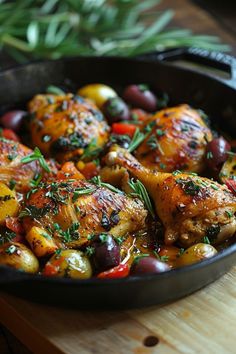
[
  {"x": 141, "y": 192},
  {"x": 97, "y": 180},
  {"x": 36, "y": 156},
  {"x": 55, "y": 90}
]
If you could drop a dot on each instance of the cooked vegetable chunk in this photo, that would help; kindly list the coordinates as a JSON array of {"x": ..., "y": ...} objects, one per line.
[
  {"x": 69, "y": 263},
  {"x": 40, "y": 241},
  {"x": 9, "y": 205},
  {"x": 18, "y": 256},
  {"x": 196, "y": 253}
]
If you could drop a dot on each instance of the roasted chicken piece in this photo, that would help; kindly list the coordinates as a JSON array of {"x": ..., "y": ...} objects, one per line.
[
  {"x": 64, "y": 126},
  {"x": 12, "y": 171},
  {"x": 16, "y": 174},
  {"x": 177, "y": 140},
  {"x": 190, "y": 207},
  {"x": 71, "y": 211}
]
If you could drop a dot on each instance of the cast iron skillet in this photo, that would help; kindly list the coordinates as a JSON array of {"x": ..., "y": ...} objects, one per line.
[{"x": 217, "y": 96}]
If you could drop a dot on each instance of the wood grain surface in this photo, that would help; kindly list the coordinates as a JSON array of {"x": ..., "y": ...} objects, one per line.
[{"x": 201, "y": 323}]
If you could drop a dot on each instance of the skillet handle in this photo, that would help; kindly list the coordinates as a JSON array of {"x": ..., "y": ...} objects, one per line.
[{"x": 212, "y": 59}]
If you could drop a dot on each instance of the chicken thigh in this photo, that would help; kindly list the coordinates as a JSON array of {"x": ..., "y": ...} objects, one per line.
[
  {"x": 71, "y": 211},
  {"x": 64, "y": 126},
  {"x": 177, "y": 140},
  {"x": 190, "y": 207}
]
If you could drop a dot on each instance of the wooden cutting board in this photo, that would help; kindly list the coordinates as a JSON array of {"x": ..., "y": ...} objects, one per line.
[{"x": 201, "y": 323}]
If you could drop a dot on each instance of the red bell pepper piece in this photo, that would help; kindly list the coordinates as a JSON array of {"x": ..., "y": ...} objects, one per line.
[
  {"x": 10, "y": 135},
  {"x": 124, "y": 129},
  {"x": 120, "y": 271}
]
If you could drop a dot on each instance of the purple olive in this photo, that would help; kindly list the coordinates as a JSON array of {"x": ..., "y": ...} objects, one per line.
[
  {"x": 115, "y": 110},
  {"x": 140, "y": 96},
  {"x": 12, "y": 120},
  {"x": 144, "y": 265},
  {"x": 106, "y": 252},
  {"x": 216, "y": 153}
]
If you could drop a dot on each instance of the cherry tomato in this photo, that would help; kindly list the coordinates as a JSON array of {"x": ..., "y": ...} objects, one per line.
[
  {"x": 120, "y": 271},
  {"x": 9, "y": 134}
]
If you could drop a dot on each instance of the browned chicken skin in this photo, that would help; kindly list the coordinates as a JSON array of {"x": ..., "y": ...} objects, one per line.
[
  {"x": 177, "y": 141},
  {"x": 12, "y": 171},
  {"x": 60, "y": 206},
  {"x": 190, "y": 207},
  {"x": 63, "y": 126}
]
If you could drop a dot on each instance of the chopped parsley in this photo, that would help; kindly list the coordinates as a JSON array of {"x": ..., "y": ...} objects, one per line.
[
  {"x": 189, "y": 186},
  {"x": 209, "y": 155},
  {"x": 12, "y": 184},
  {"x": 229, "y": 213},
  {"x": 11, "y": 249}
]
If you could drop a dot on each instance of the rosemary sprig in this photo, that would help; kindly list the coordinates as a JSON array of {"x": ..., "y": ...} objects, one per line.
[
  {"x": 97, "y": 180},
  {"x": 141, "y": 192},
  {"x": 31, "y": 29},
  {"x": 37, "y": 156},
  {"x": 136, "y": 140}
]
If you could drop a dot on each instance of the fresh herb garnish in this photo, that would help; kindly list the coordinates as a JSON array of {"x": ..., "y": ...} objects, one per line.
[
  {"x": 89, "y": 251},
  {"x": 34, "y": 212},
  {"x": 209, "y": 155},
  {"x": 229, "y": 213},
  {"x": 36, "y": 156},
  {"x": 189, "y": 187},
  {"x": 81, "y": 191},
  {"x": 136, "y": 140},
  {"x": 55, "y": 90},
  {"x": 91, "y": 150},
  {"x": 206, "y": 240},
  {"x": 141, "y": 192},
  {"x": 69, "y": 234},
  {"x": 7, "y": 237},
  {"x": 153, "y": 143},
  {"x": 12, "y": 184},
  {"x": 97, "y": 180},
  {"x": 36, "y": 180},
  {"x": 11, "y": 249}
]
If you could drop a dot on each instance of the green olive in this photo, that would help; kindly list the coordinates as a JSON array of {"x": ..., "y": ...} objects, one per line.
[
  {"x": 69, "y": 263},
  {"x": 196, "y": 253},
  {"x": 18, "y": 256}
]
